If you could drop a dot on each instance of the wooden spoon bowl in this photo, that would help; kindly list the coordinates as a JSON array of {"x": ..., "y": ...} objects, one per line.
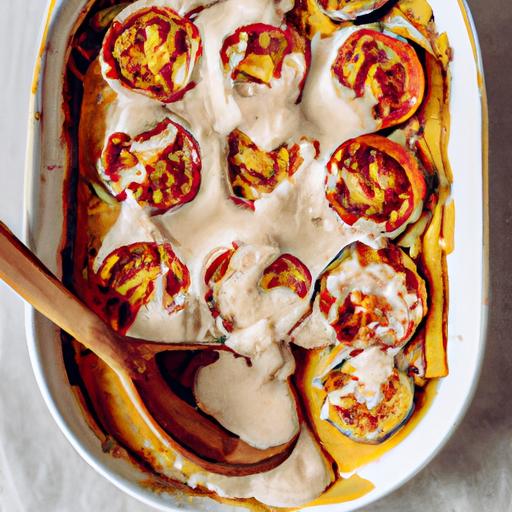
[{"x": 189, "y": 431}]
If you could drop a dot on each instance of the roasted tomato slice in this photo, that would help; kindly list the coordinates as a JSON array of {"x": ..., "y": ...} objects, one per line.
[
  {"x": 153, "y": 51},
  {"x": 373, "y": 297},
  {"x": 373, "y": 178},
  {"x": 350, "y": 9},
  {"x": 215, "y": 271},
  {"x": 284, "y": 271},
  {"x": 363, "y": 408},
  {"x": 255, "y": 53},
  {"x": 126, "y": 280},
  {"x": 253, "y": 171},
  {"x": 387, "y": 69},
  {"x": 161, "y": 167},
  {"x": 177, "y": 280},
  {"x": 289, "y": 272}
]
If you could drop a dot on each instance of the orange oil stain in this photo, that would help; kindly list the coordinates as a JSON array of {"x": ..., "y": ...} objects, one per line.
[
  {"x": 349, "y": 455},
  {"x": 42, "y": 47}
]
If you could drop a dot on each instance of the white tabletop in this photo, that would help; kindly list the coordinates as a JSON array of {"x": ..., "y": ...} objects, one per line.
[{"x": 40, "y": 471}]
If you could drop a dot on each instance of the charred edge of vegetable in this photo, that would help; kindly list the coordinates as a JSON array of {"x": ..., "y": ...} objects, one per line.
[{"x": 308, "y": 17}]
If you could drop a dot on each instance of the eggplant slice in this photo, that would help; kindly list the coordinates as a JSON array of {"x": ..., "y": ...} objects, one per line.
[{"x": 368, "y": 407}]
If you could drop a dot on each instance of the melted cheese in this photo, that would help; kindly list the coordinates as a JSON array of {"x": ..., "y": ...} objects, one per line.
[
  {"x": 371, "y": 369},
  {"x": 239, "y": 297}
]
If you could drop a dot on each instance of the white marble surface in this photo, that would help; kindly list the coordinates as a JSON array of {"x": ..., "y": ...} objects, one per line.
[{"x": 38, "y": 468}]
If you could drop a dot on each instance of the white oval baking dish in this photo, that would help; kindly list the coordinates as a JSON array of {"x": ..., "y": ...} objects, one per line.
[{"x": 468, "y": 272}]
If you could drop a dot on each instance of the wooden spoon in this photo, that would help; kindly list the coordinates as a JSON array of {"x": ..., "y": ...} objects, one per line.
[{"x": 189, "y": 431}]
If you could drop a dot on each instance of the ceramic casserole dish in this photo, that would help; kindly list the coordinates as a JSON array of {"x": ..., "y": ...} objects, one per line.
[{"x": 50, "y": 214}]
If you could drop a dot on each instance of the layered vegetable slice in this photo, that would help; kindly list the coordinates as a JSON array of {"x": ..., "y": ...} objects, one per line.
[
  {"x": 350, "y": 9},
  {"x": 127, "y": 280},
  {"x": 255, "y": 53},
  {"x": 161, "y": 167},
  {"x": 373, "y": 297},
  {"x": 375, "y": 179},
  {"x": 254, "y": 172},
  {"x": 216, "y": 269},
  {"x": 368, "y": 399},
  {"x": 385, "y": 69},
  {"x": 152, "y": 51},
  {"x": 259, "y": 278},
  {"x": 289, "y": 272}
]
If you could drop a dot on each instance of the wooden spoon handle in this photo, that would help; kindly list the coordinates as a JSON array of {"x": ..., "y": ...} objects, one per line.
[{"x": 28, "y": 276}]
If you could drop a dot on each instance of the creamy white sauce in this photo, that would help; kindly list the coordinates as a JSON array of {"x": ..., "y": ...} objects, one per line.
[
  {"x": 372, "y": 368},
  {"x": 132, "y": 225},
  {"x": 295, "y": 218},
  {"x": 336, "y": 113},
  {"x": 258, "y": 343},
  {"x": 300, "y": 479},
  {"x": 239, "y": 296},
  {"x": 315, "y": 331},
  {"x": 153, "y": 321},
  {"x": 270, "y": 115},
  {"x": 380, "y": 280},
  {"x": 261, "y": 410}
]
